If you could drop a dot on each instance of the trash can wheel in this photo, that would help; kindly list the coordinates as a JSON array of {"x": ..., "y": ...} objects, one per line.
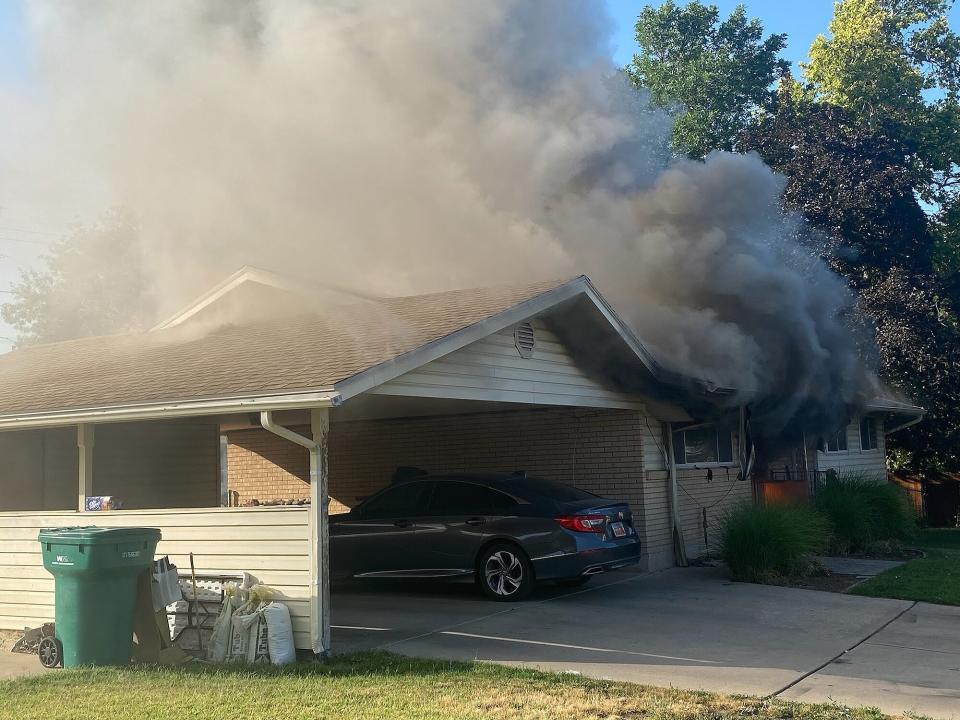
[{"x": 50, "y": 652}]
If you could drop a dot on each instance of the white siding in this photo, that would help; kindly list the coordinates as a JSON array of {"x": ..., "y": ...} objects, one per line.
[
  {"x": 869, "y": 463},
  {"x": 492, "y": 369},
  {"x": 270, "y": 543}
]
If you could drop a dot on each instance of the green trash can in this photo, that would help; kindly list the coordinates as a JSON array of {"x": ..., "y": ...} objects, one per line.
[{"x": 95, "y": 572}]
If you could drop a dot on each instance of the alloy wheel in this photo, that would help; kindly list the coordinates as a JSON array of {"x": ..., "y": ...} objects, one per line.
[{"x": 503, "y": 573}]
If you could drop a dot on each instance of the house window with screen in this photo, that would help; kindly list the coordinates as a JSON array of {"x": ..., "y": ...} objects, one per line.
[
  {"x": 703, "y": 445},
  {"x": 836, "y": 442},
  {"x": 868, "y": 434}
]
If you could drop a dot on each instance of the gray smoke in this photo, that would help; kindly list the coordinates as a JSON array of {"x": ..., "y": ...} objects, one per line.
[{"x": 417, "y": 145}]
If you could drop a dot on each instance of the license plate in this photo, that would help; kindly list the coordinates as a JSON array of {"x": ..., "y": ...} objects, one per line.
[{"x": 618, "y": 529}]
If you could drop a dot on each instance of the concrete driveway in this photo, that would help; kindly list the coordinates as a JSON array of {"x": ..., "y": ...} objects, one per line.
[{"x": 686, "y": 628}]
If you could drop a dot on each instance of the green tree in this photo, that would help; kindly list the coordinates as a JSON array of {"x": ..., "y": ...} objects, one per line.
[
  {"x": 717, "y": 74},
  {"x": 92, "y": 283},
  {"x": 895, "y": 64}
]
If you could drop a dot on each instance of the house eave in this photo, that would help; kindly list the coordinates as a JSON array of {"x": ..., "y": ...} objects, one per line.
[{"x": 170, "y": 410}]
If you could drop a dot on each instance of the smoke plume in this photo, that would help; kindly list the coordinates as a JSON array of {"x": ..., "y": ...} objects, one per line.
[{"x": 417, "y": 145}]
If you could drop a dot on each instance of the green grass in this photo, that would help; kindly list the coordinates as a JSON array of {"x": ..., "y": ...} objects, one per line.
[
  {"x": 947, "y": 538},
  {"x": 934, "y": 578},
  {"x": 375, "y": 685}
]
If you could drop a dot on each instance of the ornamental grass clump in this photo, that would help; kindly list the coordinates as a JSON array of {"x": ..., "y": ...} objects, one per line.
[
  {"x": 863, "y": 512},
  {"x": 760, "y": 543}
]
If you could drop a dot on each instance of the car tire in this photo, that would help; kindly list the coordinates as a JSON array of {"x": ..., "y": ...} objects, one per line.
[
  {"x": 504, "y": 573},
  {"x": 574, "y": 582}
]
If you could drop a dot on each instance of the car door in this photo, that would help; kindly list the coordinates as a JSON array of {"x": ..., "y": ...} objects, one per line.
[
  {"x": 376, "y": 539},
  {"x": 450, "y": 533}
]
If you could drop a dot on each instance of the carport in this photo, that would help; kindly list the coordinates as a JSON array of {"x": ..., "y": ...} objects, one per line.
[{"x": 237, "y": 440}]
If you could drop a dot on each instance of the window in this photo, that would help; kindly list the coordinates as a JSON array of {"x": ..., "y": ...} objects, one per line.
[
  {"x": 500, "y": 502},
  {"x": 836, "y": 442},
  {"x": 396, "y": 502},
  {"x": 704, "y": 445},
  {"x": 552, "y": 490},
  {"x": 868, "y": 434},
  {"x": 459, "y": 498}
]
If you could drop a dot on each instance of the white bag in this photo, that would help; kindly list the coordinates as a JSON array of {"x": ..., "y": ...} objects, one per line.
[
  {"x": 279, "y": 634},
  {"x": 220, "y": 638},
  {"x": 250, "y": 637},
  {"x": 240, "y": 625},
  {"x": 165, "y": 585}
]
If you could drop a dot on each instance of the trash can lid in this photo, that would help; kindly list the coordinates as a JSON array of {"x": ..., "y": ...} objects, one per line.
[{"x": 93, "y": 535}]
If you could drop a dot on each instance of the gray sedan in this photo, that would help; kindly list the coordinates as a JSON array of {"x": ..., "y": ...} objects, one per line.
[{"x": 508, "y": 531}]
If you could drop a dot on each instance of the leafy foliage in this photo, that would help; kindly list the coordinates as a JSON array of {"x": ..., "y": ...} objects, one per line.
[
  {"x": 919, "y": 349},
  {"x": 853, "y": 184},
  {"x": 719, "y": 72},
  {"x": 862, "y": 511},
  {"x": 895, "y": 64},
  {"x": 76, "y": 294},
  {"x": 761, "y": 542}
]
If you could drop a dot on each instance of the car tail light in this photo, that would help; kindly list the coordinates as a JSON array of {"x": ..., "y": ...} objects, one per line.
[{"x": 582, "y": 523}]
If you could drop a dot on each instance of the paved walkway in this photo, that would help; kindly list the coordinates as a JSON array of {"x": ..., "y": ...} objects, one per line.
[
  {"x": 16, "y": 664},
  {"x": 687, "y": 628},
  {"x": 861, "y": 567}
]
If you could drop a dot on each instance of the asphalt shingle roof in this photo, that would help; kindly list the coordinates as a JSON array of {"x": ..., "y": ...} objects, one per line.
[{"x": 302, "y": 353}]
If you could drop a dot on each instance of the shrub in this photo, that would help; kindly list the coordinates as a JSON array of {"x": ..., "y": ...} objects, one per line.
[
  {"x": 862, "y": 512},
  {"x": 759, "y": 543}
]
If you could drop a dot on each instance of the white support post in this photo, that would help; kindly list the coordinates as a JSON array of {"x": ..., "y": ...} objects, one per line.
[
  {"x": 319, "y": 554},
  {"x": 319, "y": 534},
  {"x": 85, "y": 447}
]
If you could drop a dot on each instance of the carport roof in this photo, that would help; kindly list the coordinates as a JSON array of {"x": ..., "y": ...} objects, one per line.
[{"x": 333, "y": 353}]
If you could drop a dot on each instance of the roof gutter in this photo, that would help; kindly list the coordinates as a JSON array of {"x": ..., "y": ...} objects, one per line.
[
  {"x": 170, "y": 410},
  {"x": 903, "y": 426}
]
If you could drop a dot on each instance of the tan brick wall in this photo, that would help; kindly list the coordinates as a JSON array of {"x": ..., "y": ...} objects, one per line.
[
  {"x": 599, "y": 450},
  {"x": 262, "y": 466}
]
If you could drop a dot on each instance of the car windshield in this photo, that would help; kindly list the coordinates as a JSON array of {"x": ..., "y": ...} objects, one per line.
[{"x": 556, "y": 491}]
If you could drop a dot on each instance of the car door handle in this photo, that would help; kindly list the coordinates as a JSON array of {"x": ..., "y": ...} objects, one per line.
[
  {"x": 403, "y": 523},
  {"x": 475, "y": 521}
]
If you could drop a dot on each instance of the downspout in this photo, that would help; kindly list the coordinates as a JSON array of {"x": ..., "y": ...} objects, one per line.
[
  {"x": 903, "y": 426},
  {"x": 679, "y": 548},
  {"x": 319, "y": 526}
]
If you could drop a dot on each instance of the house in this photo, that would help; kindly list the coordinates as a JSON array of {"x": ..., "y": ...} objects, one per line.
[{"x": 204, "y": 426}]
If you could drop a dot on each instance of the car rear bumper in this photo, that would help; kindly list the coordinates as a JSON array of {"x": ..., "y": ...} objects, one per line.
[{"x": 586, "y": 562}]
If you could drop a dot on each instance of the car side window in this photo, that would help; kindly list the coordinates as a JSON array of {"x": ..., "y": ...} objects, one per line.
[
  {"x": 459, "y": 498},
  {"x": 404, "y": 500},
  {"x": 499, "y": 501}
]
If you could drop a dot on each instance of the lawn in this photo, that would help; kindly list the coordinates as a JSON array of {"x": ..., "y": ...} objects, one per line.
[
  {"x": 375, "y": 685},
  {"x": 934, "y": 578}
]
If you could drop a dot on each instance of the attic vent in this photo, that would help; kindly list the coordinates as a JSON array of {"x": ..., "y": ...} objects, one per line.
[{"x": 525, "y": 339}]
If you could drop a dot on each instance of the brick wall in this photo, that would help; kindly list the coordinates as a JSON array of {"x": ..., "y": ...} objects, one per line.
[{"x": 598, "y": 450}]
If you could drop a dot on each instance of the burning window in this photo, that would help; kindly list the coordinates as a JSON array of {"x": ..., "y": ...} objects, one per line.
[{"x": 703, "y": 445}]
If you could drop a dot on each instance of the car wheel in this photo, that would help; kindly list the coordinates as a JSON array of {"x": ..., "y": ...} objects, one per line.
[
  {"x": 505, "y": 573},
  {"x": 574, "y": 582}
]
